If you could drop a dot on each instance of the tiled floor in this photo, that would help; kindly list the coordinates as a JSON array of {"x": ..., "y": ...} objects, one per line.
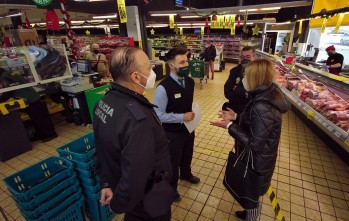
[{"x": 310, "y": 181}]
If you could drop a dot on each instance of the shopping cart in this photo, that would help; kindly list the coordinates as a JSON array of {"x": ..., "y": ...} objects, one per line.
[{"x": 199, "y": 69}]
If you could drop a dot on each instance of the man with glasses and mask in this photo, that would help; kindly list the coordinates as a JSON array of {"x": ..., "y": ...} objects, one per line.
[
  {"x": 234, "y": 91},
  {"x": 131, "y": 145},
  {"x": 174, "y": 98},
  {"x": 98, "y": 61}
]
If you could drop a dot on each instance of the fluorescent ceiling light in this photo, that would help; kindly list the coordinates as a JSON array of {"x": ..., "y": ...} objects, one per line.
[
  {"x": 104, "y": 16},
  {"x": 162, "y": 14},
  {"x": 157, "y": 26},
  {"x": 271, "y": 8},
  {"x": 249, "y": 10},
  {"x": 84, "y": 26},
  {"x": 190, "y": 16}
]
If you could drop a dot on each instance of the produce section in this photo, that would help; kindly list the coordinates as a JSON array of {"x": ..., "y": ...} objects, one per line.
[
  {"x": 162, "y": 44},
  {"x": 321, "y": 96}
]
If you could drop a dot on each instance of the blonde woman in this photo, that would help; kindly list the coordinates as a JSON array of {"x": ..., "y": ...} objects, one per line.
[{"x": 259, "y": 128}]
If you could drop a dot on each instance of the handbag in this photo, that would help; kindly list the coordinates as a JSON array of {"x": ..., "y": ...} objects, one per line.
[{"x": 243, "y": 182}]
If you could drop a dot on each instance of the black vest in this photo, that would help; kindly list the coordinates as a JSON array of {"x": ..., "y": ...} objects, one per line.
[{"x": 180, "y": 100}]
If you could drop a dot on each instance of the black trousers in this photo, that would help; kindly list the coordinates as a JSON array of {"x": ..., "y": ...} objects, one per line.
[
  {"x": 41, "y": 120},
  {"x": 181, "y": 146}
]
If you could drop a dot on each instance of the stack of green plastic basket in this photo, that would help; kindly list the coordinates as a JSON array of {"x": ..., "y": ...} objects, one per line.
[
  {"x": 80, "y": 152},
  {"x": 48, "y": 190}
]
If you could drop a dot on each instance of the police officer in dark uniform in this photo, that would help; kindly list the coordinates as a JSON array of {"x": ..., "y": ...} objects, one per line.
[
  {"x": 234, "y": 91},
  {"x": 131, "y": 143}
]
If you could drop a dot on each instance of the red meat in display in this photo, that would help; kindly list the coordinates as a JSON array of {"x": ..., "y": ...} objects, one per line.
[{"x": 338, "y": 115}]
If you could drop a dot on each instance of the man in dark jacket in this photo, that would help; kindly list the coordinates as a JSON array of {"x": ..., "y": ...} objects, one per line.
[
  {"x": 174, "y": 98},
  {"x": 234, "y": 91},
  {"x": 131, "y": 144},
  {"x": 210, "y": 55}
]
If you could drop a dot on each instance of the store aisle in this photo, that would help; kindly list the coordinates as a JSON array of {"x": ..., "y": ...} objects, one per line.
[{"x": 310, "y": 181}]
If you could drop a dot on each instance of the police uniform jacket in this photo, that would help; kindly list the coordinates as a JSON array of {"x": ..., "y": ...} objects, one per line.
[
  {"x": 260, "y": 128},
  {"x": 131, "y": 145}
]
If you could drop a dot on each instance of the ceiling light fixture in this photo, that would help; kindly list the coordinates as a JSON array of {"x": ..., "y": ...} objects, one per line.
[
  {"x": 249, "y": 10},
  {"x": 163, "y": 14},
  {"x": 157, "y": 26},
  {"x": 104, "y": 16},
  {"x": 271, "y": 8},
  {"x": 190, "y": 16},
  {"x": 11, "y": 14}
]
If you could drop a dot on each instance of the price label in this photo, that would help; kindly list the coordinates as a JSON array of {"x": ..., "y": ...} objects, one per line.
[
  {"x": 330, "y": 128},
  {"x": 338, "y": 134},
  {"x": 316, "y": 117},
  {"x": 324, "y": 124},
  {"x": 347, "y": 141},
  {"x": 310, "y": 114}
]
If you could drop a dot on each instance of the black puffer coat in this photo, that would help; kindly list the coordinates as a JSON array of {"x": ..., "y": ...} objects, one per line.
[{"x": 260, "y": 128}]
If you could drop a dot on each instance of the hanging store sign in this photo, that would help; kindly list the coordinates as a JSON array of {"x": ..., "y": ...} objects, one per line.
[
  {"x": 232, "y": 30},
  {"x": 171, "y": 17},
  {"x": 339, "y": 22},
  {"x": 122, "y": 11},
  {"x": 202, "y": 30},
  {"x": 42, "y": 3},
  {"x": 323, "y": 27},
  {"x": 300, "y": 27}
]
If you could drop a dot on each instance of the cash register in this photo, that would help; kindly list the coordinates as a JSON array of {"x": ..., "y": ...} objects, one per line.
[{"x": 82, "y": 77}]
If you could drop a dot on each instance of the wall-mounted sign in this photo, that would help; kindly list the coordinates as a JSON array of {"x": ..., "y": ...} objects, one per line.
[{"x": 42, "y": 2}]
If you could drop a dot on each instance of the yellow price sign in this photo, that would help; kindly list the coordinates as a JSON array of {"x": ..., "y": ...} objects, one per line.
[
  {"x": 310, "y": 114},
  {"x": 347, "y": 141},
  {"x": 171, "y": 17}
]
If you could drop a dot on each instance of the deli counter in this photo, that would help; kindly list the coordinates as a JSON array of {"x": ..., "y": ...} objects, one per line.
[{"x": 323, "y": 98}]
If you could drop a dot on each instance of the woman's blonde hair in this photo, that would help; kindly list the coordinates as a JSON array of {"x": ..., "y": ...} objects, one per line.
[{"x": 259, "y": 72}]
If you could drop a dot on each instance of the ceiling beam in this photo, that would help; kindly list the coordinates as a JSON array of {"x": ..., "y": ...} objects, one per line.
[{"x": 236, "y": 10}]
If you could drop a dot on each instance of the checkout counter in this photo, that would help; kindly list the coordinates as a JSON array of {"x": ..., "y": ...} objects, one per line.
[{"x": 13, "y": 135}]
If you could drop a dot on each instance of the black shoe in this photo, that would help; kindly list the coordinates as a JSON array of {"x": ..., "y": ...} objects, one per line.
[
  {"x": 241, "y": 214},
  {"x": 193, "y": 179},
  {"x": 176, "y": 197}
]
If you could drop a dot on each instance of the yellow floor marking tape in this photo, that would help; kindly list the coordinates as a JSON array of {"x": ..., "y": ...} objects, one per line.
[{"x": 274, "y": 203}]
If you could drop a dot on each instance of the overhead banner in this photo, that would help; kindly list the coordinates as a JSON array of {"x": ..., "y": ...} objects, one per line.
[
  {"x": 223, "y": 22},
  {"x": 232, "y": 30},
  {"x": 328, "y": 5},
  {"x": 122, "y": 11}
]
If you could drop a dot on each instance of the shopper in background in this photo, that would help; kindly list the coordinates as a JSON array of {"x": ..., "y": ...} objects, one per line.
[
  {"x": 36, "y": 110},
  {"x": 259, "y": 128},
  {"x": 234, "y": 91},
  {"x": 131, "y": 144},
  {"x": 210, "y": 56},
  {"x": 174, "y": 98},
  {"x": 98, "y": 61},
  {"x": 334, "y": 61},
  {"x": 283, "y": 50}
]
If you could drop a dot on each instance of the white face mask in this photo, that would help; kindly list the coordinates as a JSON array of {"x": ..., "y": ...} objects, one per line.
[
  {"x": 246, "y": 86},
  {"x": 150, "y": 80}
]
